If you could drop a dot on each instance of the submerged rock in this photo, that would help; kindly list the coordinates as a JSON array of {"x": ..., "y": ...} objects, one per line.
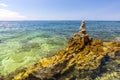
[{"x": 83, "y": 59}]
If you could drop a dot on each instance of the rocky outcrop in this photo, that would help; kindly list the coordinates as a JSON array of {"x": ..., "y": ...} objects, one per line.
[{"x": 83, "y": 59}]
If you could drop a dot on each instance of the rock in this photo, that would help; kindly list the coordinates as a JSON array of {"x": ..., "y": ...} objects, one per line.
[
  {"x": 83, "y": 27},
  {"x": 83, "y": 58}
]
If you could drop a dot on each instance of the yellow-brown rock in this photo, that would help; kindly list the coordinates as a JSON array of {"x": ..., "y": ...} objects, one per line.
[{"x": 83, "y": 58}]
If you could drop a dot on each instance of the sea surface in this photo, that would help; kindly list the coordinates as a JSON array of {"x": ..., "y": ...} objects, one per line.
[{"x": 22, "y": 43}]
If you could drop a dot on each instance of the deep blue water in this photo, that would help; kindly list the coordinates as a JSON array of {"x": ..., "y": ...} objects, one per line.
[
  {"x": 96, "y": 29},
  {"x": 22, "y": 43}
]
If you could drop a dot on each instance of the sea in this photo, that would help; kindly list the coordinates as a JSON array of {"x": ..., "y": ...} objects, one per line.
[{"x": 23, "y": 43}]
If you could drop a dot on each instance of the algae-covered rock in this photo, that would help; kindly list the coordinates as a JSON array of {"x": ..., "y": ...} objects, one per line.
[{"x": 83, "y": 59}]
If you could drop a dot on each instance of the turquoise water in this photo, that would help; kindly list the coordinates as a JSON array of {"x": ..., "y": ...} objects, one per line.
[{"x": 22, "y": 43}]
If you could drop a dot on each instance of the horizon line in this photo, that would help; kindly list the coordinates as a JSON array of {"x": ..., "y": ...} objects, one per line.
[{"x": 57, "y": 20}]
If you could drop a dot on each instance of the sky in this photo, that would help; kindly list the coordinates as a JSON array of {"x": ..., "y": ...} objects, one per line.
[{"x": 59, "y": 9}]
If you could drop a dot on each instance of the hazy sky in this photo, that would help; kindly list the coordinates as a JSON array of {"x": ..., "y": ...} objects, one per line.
[{"x": 59, "y": 9}]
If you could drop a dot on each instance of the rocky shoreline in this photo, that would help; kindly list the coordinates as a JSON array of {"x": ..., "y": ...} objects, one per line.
[{"x": 83, "y": 59}]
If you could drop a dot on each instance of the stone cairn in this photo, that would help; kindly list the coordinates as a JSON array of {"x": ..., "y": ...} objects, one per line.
[
  {"x": 81, "y": 36},
  {"x": 83, "y": 29}
]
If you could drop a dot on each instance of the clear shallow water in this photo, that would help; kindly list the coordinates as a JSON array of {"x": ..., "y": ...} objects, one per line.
[{"x": 22, "y": 43}]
